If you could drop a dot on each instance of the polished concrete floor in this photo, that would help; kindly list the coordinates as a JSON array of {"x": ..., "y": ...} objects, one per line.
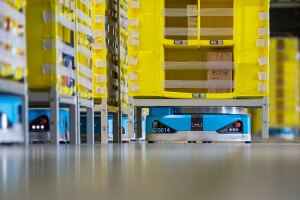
[{"x": 151, "y": 171}]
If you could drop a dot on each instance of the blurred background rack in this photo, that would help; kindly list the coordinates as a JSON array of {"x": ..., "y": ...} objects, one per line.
[{"x": 13, "y": 73}]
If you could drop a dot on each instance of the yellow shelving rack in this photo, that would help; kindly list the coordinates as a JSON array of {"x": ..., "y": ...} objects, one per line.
[
  {"x": 284, "y": 97},
  {"x": 84, "y": 37},
  {"x": 100, "y": 63},
  {"x": 105, "y": 51},
  {"x": 84, "y": 40},
  {"x": 110, "y": 63},
  {"x": 169, "y": 44},
  {"x": 284, "y": 88},
  {"x": 59, "y": 38},
  {"x": 298, "y": 109},
  {"x": 13, "y": 67},
  {"x": 123, "y": 26},
  {"x": 13, "y": 64},
  {"x": 99, "y": 50},
  {"x": 51, "y": 46}
]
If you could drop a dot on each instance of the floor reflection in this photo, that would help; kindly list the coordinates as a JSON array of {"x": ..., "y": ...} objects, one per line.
[{"x": 156, "y": 171}]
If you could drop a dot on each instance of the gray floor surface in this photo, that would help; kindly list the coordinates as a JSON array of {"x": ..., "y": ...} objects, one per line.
[{"x": 151, "y": 171}]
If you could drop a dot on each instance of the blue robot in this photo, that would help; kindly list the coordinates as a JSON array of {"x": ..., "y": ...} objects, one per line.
[
  {"x": 97, "y": 130},
  {"x": 164, "y": 125},
  {"x": 283, "y": 133},
  {"x": 39, "y": 125},
  {"x": 11, "y": 128}
]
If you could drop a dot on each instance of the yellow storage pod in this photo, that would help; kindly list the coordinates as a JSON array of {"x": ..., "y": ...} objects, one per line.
[
  {"x": 84, "y": 38},
  {"x": 284, "y": 90},
  {"x": 99, "y": 49},
  {"x": 13, "y": 64},
  {"x": 199, "y": 48},
  {"x": 51, "y": 44},
  {"x": 298, "y": 109}
]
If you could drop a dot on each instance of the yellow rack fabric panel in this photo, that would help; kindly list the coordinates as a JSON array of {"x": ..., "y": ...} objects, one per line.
[
  {"x": 251, "y": 39},
  {"x": 13, "y": 63},
  {"x": 273, "y": 82},
  {"x": 199, "y": 48},
  {"x": 51, "y": 45},
  {"x": 284, "y": 96},
  {"x": 298, "y": 109},
  {"x": 99, "y": 50},
  {"x": 84, "y": 38},
  {"x": 144, "y": 48},
  {"x": 256, "y": 119}
]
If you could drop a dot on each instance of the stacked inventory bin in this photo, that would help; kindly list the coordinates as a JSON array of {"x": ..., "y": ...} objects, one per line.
[
  {"x": 99, "y": 50},
  {"x": 13, "y": 64},
  {"x": 51, "y": 45},
  {"x": 84, "y": 40},
  {"x": 198, "y": 48},
  {"x": 284, "y": 90}
]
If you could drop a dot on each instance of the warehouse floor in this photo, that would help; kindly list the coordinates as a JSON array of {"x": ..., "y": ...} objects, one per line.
[{"x": 151, "y": 171}]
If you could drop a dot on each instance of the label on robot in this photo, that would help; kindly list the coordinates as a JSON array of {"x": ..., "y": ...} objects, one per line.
[
  {"x": 197, "y": 123},
  {"x": 233, "y": 128},
  {"x": 160, "y": 128}
]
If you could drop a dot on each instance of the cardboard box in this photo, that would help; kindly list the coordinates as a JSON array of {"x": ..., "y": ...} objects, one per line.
[
  {"x": 280, "y": 93},
  {"x": 192, "y": 33},
  {"x": 280, "y": 45},
  {"x": 192, "y": 21},
  {"x": 192, "y": 10},
  {"x": 192, "y": 13},
  {"x": 280, "y": 119},
  {"x": 219, "y": 75}
]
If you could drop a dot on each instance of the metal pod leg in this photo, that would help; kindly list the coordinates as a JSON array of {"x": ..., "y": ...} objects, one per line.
[
  {"x": 90, "y": 125},
  {"x": 25, "y": 119},
  {"x": 74, "y": 121},
  {"x": 130, "y": 119},
  {"x": 265, "y": 118},
  {"x": 117, "y": 134},
  {"x": 54, "y": 126},
  {"x": 139, "y": 122},
  {"x": 78, "y": 123},
  {"x": 104, "y": 118}
]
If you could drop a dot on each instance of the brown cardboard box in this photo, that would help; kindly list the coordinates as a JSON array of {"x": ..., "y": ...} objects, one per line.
[
  {"x": 280, "y": 119},
  {"x": 192, "y": 10},
  {"x": 192, "y": 21},
  {"x": 280, "y": 93},
  {"x": 192, "y": 28},
  {"x": 192, "y": 33},
  {"x": 219, "y": 75},
  {"x": 280, "y": 45}
]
